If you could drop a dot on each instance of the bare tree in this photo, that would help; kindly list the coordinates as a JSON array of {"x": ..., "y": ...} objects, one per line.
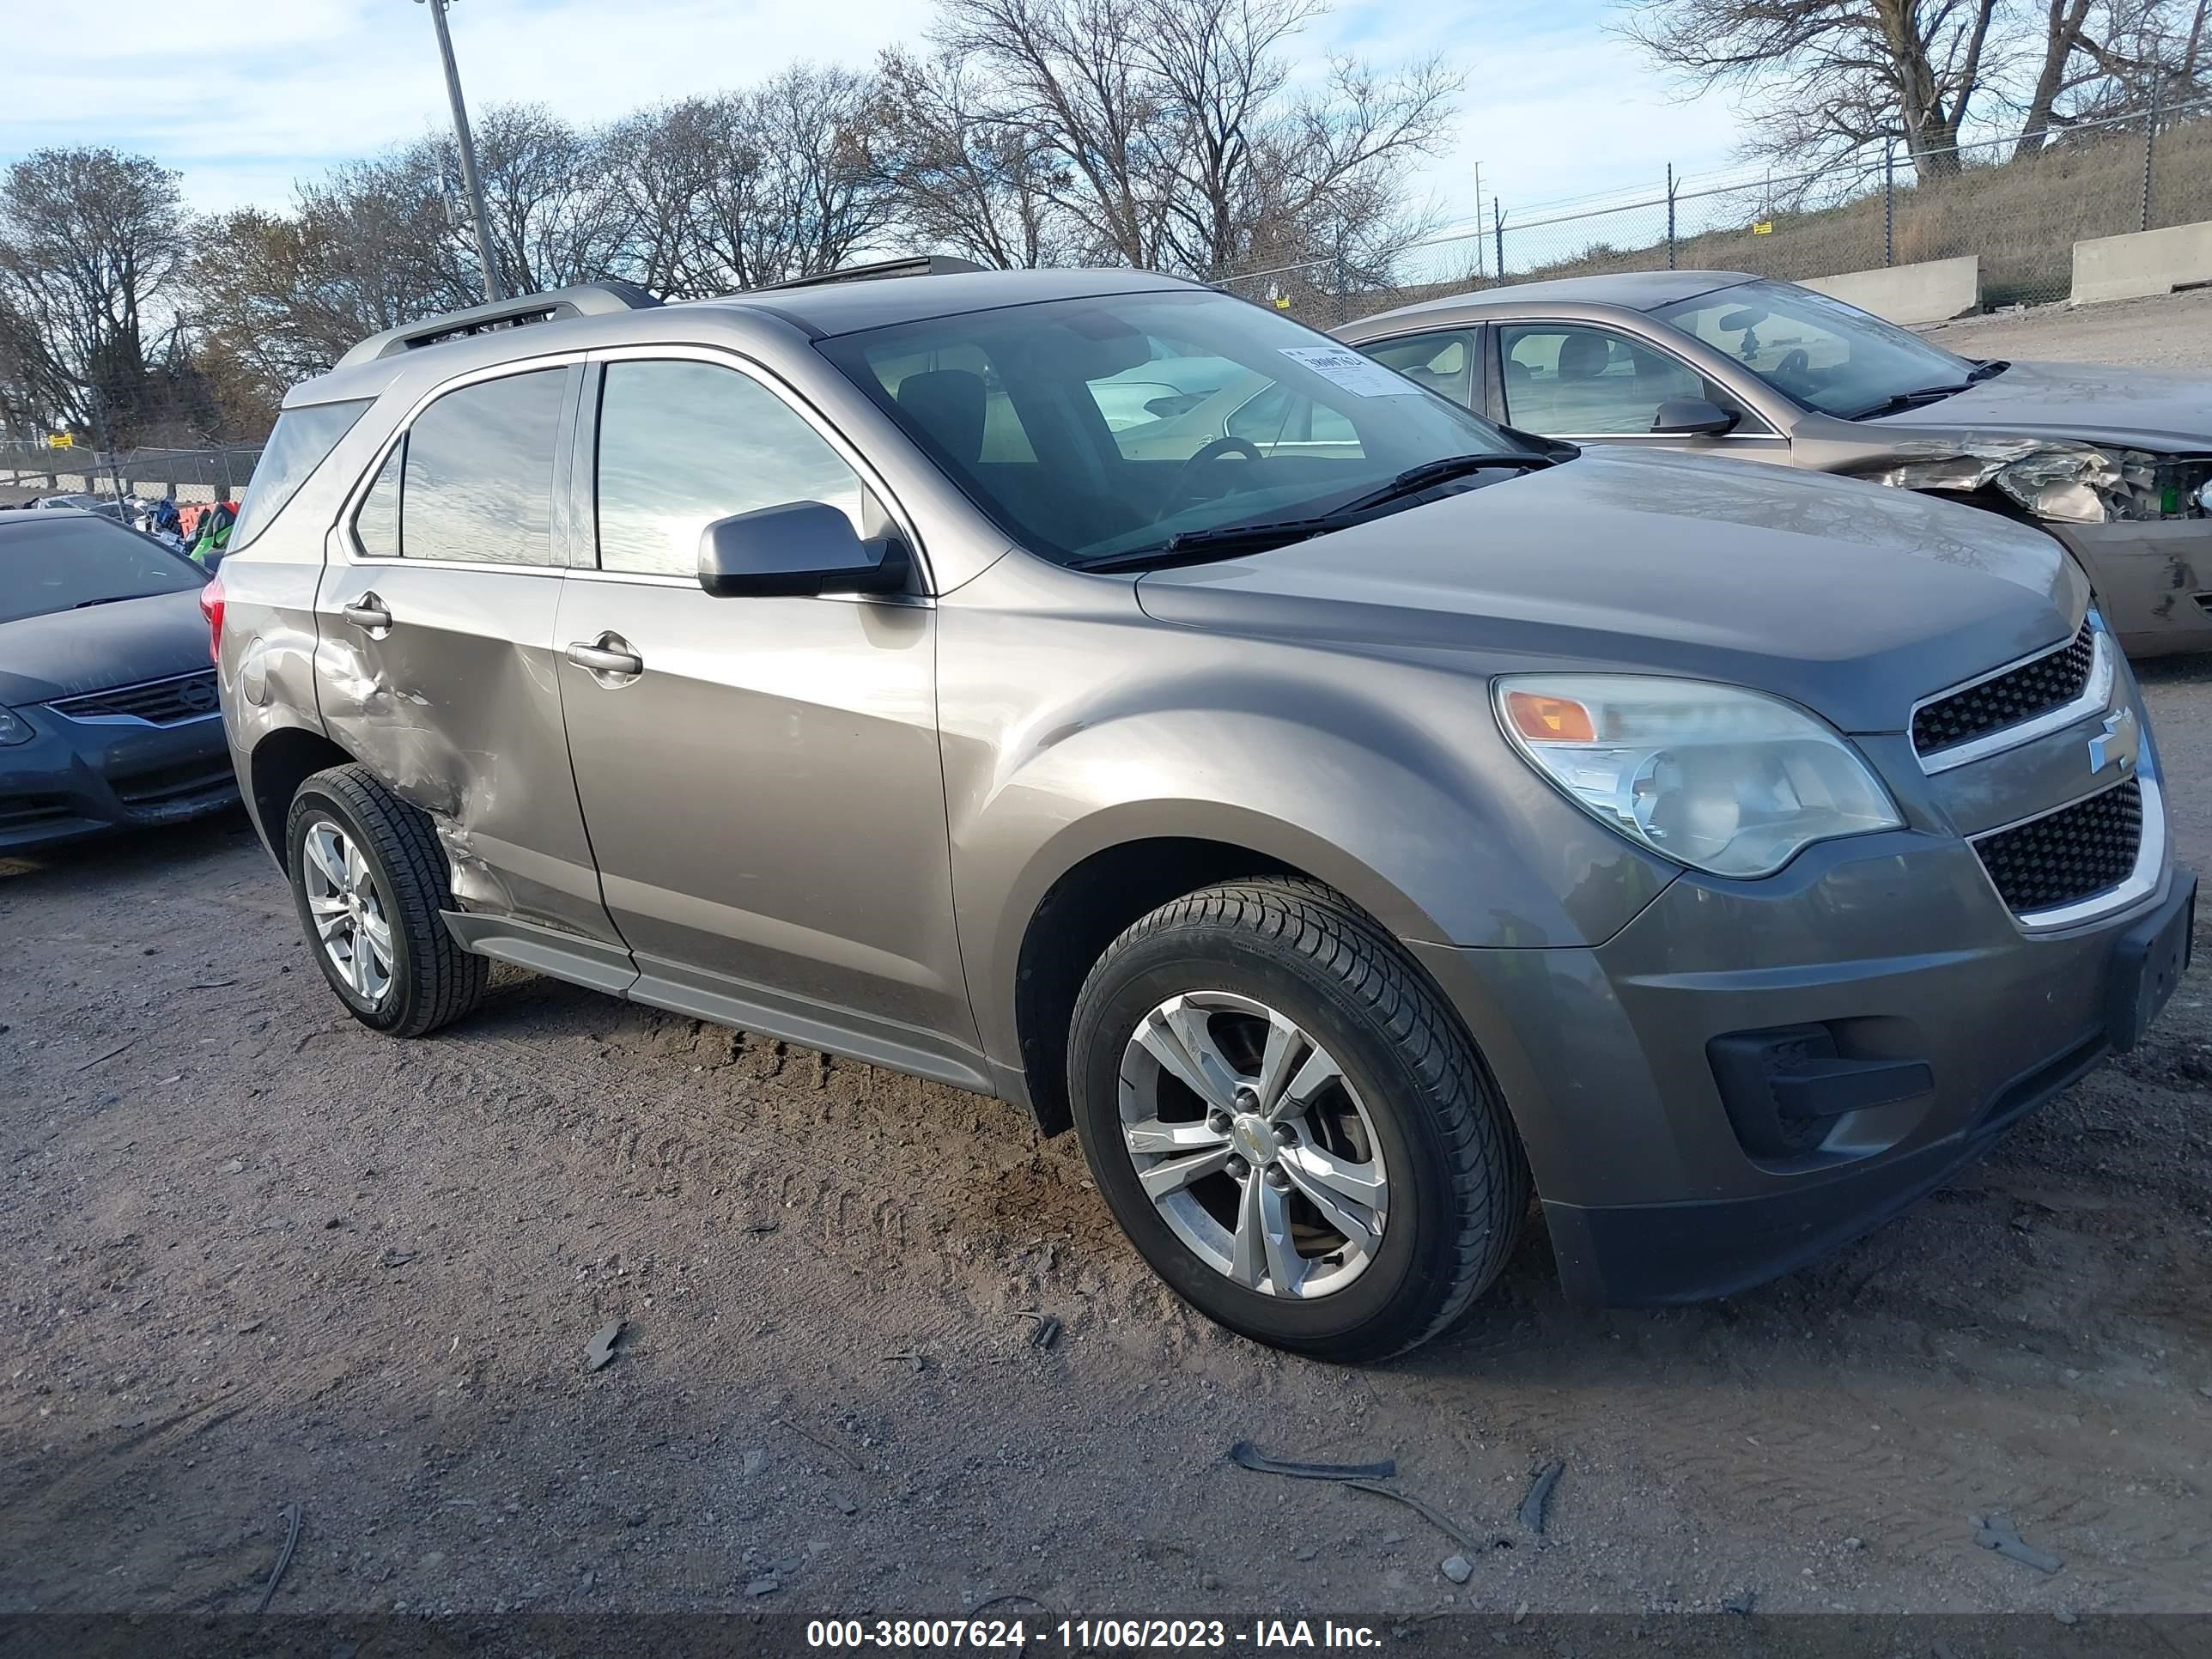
[
  {"x": 555, "y": 218},
  {"x": 1155, "y": 133},
  {"x": 1828, "y": 79},
  {"x": 92, "y": 243},
  {"x": 750, "y": 187},
  {"x": 282, "y": 297},
  {"x": 962, "y": 178}
]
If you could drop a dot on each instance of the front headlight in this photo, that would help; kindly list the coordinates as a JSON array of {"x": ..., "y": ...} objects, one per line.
[
  {"x": 1724, "y": 779},
  {"x": 14, "y": 729}
]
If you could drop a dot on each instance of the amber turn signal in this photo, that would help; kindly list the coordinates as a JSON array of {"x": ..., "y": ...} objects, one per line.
[{"x": 1549, "y": 719}]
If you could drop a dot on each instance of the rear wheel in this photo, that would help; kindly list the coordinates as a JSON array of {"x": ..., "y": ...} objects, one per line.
[
  {"x": 1289, "y": 1124},
  {"x": 369, "y": 880}
]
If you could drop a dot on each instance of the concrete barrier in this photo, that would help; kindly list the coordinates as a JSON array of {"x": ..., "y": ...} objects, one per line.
[
  {"x": 2144, "y": 262},
  {"x": 1933, "y": 291}
]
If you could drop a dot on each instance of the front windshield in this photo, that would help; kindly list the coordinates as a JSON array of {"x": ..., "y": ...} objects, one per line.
[
  {"x": 64, "y": 563},
  {"x": 1090, "y": 427},
  {"x": 1820, "y": 352}
]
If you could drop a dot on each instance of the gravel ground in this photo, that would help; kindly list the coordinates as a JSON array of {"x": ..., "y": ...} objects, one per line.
[
  {"x": 259, "y": 1256},
  {"x": 2171, "y": 332}
]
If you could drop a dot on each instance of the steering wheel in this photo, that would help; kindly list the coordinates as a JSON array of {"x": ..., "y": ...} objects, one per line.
[
  {"x": 1794, "y": 361},
  {"x": 1206, "y": 455}
]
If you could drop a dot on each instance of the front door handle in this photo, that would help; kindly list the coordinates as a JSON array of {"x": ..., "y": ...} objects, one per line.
[
  {"x": 608, "y": 656},
  {"x": 367, "y": 611}
]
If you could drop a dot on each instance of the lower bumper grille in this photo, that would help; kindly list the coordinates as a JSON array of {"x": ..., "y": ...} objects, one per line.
[
  {"x": 2068, "y": 855},
  {"x": 172, "y": 783}
]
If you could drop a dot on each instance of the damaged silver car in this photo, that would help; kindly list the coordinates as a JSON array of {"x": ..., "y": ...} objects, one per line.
[{"x": 2115, "y": 462}]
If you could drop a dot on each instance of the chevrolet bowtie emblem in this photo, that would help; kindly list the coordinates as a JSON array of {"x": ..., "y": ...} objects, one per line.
[{"x": 2101, "y": 747}]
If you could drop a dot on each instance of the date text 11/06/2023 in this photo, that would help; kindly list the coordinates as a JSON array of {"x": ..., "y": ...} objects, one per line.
[{"x": 1088, "y": 1635}]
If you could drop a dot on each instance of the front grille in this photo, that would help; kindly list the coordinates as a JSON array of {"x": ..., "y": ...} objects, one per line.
[
  {"x": 2051, "y": 681},
  {"x": 2068, "y": 855},
  {"x": 170, "y": 783},
  {"x": 157, "y": 702}
]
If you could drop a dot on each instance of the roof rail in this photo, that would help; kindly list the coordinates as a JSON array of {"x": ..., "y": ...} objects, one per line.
[
  {"x": 921, "y": 264},
  {"x": 585, "y": 299}
]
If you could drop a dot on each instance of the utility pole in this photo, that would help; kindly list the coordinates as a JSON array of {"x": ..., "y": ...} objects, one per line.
[{"x": 493, "y": 290}]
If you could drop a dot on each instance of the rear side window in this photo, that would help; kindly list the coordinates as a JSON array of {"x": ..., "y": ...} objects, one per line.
[
  {"x": 1442, "y": 362},
  {"x": 476, "y": 482},
  {"x": 376, "y": 524},
  {"x": 301, "y": 442}
]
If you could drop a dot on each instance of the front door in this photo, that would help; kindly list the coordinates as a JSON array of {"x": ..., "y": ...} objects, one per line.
[
  {"x": 1591, "y": 384},
  {"x": 434, "y": 654},
  {"x": 760, "y": 776}
]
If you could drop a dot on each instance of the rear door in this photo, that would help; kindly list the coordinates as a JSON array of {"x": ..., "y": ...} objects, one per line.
[
  {"x": 760, "y": 775},
  {"x": 1447, "y": 361},
  {"x": 435, "y": 657}
]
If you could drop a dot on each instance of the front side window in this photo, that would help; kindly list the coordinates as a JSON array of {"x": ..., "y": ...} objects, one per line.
[
  {"x": 476, "y": 484},
  {"x": 683, "y": 444},
  {"x": 1566, "y": 380},
  {"x": 1817, "y": 351},
  {"x": 1442, "y": 362},
  {"x": 301, "y": 441},
  {"x": 1115, "y": 456}
]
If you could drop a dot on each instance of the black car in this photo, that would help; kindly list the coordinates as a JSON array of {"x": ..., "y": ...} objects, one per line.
[{"x": 108, "y": 715}]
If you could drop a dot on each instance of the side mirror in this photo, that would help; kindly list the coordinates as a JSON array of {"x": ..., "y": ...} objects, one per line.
[
  {"x": 1691, "y": 418},
  {"x": 800, "y": 547}
]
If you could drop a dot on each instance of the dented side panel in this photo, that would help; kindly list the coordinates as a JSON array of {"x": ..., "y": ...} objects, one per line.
[
  {"x": 456, "y": 706},
  {"x": 2155, "y": 581}
]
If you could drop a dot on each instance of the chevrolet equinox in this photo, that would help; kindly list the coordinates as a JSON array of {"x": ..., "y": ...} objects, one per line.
[{"x": 1345, "y": 823}]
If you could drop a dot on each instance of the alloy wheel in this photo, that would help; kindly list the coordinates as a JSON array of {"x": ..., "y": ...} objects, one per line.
[
  {"x": 347, "y": 909},
  {"x": 1254, "y": 1144}
]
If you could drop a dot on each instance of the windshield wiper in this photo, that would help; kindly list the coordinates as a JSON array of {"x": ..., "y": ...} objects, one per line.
[
  {"x": 1926, "y": 394},
  {"x": 107, "y": 599},
  {"x": 1415, "y": 479},
  {"x": 1197, "y": 546}
]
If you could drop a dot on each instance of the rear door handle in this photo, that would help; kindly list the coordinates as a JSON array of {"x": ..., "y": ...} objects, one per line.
[
  {"x": 367, "y": 611},
  {"x": 608, "y": 655}
]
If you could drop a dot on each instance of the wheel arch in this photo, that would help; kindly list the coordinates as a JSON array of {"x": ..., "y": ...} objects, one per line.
[
  {"x": 284, "y": 760},
  {"x": 1122, "y": 863}
]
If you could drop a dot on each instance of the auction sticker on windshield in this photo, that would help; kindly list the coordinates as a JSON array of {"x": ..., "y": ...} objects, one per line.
[{"x": 1352, "y": 372}]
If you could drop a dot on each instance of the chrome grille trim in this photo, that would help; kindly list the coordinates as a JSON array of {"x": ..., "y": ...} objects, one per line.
[{"x": 2095, "y": 699}]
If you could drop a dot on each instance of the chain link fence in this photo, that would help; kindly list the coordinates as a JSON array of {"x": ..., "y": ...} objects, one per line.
[
  {"x": 32, "y": 468},
  {"x": 2020, "y": 214}
]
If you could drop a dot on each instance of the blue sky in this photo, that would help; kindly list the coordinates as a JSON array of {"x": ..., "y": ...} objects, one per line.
[{"x": 1554, "y": 107}]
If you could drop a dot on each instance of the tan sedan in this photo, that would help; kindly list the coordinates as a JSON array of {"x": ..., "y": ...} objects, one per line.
[{"x": 2115, "y": 462}]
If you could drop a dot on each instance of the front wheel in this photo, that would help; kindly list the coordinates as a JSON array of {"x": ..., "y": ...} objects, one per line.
[
  {"x": 1289, "y": 1124},
  {"x": 369, "y": 880}
]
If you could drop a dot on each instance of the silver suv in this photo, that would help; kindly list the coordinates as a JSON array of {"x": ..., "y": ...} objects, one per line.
[{"x": 1344, "y": 821}]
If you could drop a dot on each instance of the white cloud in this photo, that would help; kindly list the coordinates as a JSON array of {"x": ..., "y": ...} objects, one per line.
[{"x": 247, "y": 95}]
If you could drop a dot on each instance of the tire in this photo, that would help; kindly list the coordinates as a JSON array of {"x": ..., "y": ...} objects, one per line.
[
  {"x": 427, "y": 980},
  {"x": 1457, "y": 1183}
]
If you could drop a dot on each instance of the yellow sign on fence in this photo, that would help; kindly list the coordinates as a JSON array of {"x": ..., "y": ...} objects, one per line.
[
  {"x": 61, "y": 441},
  {"x": 1763, "y": 227}
]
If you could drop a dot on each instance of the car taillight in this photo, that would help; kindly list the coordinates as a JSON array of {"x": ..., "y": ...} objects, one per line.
[{"x": 211, "y": 608}]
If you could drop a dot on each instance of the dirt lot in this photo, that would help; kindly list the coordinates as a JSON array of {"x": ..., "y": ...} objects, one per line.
[{"x": 259, "y": 1256}]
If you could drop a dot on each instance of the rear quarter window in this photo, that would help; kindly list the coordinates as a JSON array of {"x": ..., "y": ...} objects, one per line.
[{"x": 303, "y": 441}]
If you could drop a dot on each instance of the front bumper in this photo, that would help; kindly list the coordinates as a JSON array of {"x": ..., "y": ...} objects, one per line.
[
  {"x": 1896, "y": 947},
  {"x": 78, "y": 778}
]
